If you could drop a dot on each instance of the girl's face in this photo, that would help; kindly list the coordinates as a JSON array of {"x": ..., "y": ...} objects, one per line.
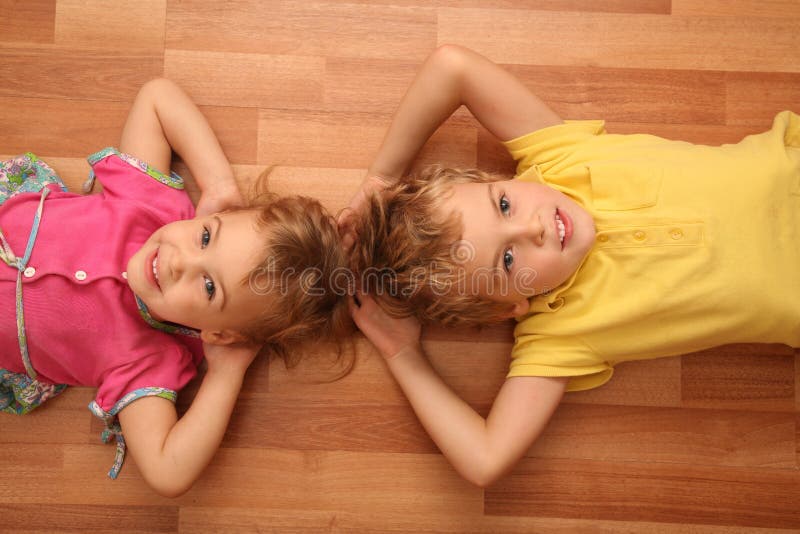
[
  {"x": 190, "y": 273},
  {"x": 520, "y": 239}
]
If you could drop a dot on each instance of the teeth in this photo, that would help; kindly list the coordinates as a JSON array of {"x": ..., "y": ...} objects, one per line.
[
  {"x": 155, "y": 272},
  {"x": 561, "y": 230}
]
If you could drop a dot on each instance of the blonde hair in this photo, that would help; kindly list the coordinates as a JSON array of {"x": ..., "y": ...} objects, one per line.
[
  {"x": 407, "y": 254},
  {"x": 301, "y": 255}
]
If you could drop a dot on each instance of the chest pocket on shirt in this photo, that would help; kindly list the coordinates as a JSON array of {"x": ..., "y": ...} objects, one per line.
[{"x": 619, "y": 187}]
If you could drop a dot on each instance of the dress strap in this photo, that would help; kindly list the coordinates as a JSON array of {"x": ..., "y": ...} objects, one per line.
[
  {"x": 113, "y": 428},
  {"x": 8, "y": 256}
]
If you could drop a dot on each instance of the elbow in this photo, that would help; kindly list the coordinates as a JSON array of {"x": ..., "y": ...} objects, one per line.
[
  {"x": 450, "y": 59},
  {"x": 484, "y": 473},
  {"x": 171, "y": 491},
  {"x": 158, "y": 83},
  {"x": 169, "y": 487},
  {"x": 451, "y": 54},
  {"x": 155, "y": 87},
  {"x": 484, "y": 478}
]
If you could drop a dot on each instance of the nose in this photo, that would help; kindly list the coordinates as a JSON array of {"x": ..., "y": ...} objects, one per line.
[
  {"x": 182, "y": 262},
  {"x": 530, "y": 229}
]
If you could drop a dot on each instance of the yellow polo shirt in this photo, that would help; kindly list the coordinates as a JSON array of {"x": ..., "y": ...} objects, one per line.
[{"x": 696, "y": 246}]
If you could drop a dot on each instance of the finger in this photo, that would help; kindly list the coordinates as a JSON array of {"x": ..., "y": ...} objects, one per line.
[
  {"x": 348, "y": 240},
  {"x": 344, "y": 215},
  {"x": 366, "y": 301},
  {"x": 356, "y": 312}
]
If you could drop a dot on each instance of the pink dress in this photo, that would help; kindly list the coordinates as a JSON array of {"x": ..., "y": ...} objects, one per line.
[{"x": 82, "y": 322}]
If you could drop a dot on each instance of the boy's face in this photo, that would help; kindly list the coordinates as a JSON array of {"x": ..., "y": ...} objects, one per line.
[
  {"x": 520, "y": 239},
  {"x": 190, "y": 273}
]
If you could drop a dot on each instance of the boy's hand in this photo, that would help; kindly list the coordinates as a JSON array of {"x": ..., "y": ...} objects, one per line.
[
  {"x": 372, "y": 183},
  {"x": 229, "y": 358},
  {"x": 390, "y": 335},
  {"x": 219, "y": 197}
]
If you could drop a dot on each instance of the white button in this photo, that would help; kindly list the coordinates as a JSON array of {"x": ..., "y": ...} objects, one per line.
[
  {"x": 80, "y": 275},
  {"x": 30, "y": 271},
  {"x": 125, "y": 275}
]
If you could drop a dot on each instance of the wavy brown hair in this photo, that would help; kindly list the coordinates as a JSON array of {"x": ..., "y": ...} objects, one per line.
[
  {"x": 406, "y": 253},
  {"x": 301, "y": 255}
]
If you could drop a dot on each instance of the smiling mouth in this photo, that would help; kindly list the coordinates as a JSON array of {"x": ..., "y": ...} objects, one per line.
[
  {"x": 562, "y": 230},
  {"x": 154, "y": 267},
  {"x": 564, "y": 227}
]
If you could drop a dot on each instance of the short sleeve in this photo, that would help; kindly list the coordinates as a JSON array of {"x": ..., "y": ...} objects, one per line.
[
  {"x": 789, "y": 123},
  {"x": 535, "y": 355},
  {"x": 171, "y": 370},
  {"x": 543, "y": 149},
  {"x": 125, "y": 177}
]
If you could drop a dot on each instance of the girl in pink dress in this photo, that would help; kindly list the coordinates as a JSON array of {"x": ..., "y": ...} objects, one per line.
[{"x": 127, "y": 290}]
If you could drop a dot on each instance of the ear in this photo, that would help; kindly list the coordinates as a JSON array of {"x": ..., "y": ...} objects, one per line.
[
  {"x": 220, "y": 337},
  {"x": 520, "y": 308}
]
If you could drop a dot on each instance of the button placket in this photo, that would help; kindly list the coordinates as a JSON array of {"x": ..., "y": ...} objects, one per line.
[{"x": 656, "y": 235}]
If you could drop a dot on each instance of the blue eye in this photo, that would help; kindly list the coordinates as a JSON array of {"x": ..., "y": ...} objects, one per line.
[
  {"x": 205, "y": 238},
  {"x": 508, "y": 260},
  {"x": 211, "y": 289},
  {"x": 505, "y": 205}
]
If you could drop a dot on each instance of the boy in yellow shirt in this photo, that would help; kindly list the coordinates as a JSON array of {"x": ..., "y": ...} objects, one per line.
[{"x": 607, "y": 248}]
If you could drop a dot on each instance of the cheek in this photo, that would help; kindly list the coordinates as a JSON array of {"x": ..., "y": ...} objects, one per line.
[
  {"x": 538, "y": 273},
  {"x": 551, "y": 270}
]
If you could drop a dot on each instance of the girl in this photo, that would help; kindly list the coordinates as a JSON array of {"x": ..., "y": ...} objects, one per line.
[
  {"x": 606, "y": 247},
  {"x": 126, "y": 290}
]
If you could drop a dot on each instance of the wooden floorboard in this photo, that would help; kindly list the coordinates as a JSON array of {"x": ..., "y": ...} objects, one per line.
[{"x": 705, "y": 443}]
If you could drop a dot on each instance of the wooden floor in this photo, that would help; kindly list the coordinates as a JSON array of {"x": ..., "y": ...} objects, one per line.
[{"x": 704, "y": 443}]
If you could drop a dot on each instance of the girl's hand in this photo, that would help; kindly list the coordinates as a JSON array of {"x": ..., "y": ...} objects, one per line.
[
  {"x": 372, "y": 183},
  {"x": 163, "y": 119},
  {"x": 219, "y": 197},
  {"x": 229, "y": 358},
  {"x": 390, "y": 335}
]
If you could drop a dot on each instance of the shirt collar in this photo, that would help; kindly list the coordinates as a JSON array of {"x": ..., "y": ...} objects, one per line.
[{"x": 169, "y": 328}]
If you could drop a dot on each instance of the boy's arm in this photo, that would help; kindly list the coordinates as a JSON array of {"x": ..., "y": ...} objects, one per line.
[
  {"x": 481, "y": 450},
  {"x": 453, "y": 76},
  {"x": 171, "y": 453},
  {"x": 162, "y": 119},
  {"x": 450, "y": 77}
]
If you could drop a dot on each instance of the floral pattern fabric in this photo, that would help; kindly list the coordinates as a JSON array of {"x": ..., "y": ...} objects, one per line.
[
  {"x": 26, "y": 174},
  {"x": 21, "y": 393}
]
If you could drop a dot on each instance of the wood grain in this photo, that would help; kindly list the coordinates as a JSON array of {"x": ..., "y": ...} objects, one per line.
[
  {"x": 17, "y": 16},
  {"x": 705, "y": 443},
  {"x": 652, "y": 492}
]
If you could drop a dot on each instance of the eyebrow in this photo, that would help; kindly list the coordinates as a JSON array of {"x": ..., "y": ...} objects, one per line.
[
  {"x": 496, "y": 209},
  {"x": 221, "y": 285}
]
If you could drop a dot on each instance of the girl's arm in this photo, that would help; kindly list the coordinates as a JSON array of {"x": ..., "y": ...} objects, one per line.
[
  {"x": 162, "y": 119},
  {"x": 170, "y": 452},
  {"x": 481, "y": 450}
]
